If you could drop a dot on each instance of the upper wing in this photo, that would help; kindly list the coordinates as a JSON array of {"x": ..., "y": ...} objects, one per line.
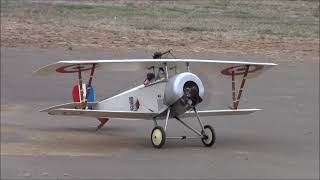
[
  {"x": 225, "y": 112},
  {"x": 209, "y": 66},
  {"x": 103, "y": 113}
]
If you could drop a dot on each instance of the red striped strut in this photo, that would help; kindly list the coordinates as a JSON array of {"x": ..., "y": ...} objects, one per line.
[{"x": 235, "y": 99}]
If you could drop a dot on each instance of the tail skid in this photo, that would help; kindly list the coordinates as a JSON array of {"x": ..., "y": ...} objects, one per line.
[{"x": 102, "y": 122}]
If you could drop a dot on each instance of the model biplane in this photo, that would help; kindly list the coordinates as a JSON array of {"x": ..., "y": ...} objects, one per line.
[{"x": 171, "y": 90}]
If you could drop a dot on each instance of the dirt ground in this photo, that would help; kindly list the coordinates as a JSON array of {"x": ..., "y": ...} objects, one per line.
[{"x": 279, "y": 142}]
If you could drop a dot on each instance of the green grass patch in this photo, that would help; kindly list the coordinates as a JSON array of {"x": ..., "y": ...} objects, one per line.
[
  {"x": 193, "y": 28},
  {"x": 283, "y": 18},
  {"x": 96, "y": 9}
]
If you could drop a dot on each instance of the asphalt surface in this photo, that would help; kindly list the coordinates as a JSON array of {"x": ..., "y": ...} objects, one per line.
[{"x": 282, "y": 141}]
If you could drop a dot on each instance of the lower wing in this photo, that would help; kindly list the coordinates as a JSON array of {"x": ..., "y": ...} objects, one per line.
[
  {"x": 225, "y": 112},
  {"x": 103, "y": 113},
  {"x": 142, "y": 115}
]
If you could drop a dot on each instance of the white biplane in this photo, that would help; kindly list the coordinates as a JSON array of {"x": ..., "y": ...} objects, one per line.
[{"x": 171, "y": 90}]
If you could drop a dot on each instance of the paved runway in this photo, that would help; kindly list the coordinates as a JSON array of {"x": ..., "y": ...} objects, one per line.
[{"x": 282, "y": 141}]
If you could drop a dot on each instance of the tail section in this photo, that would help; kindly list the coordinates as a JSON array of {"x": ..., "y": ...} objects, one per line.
[
  {"x": 76, "y": 96},
  {"x": 78, "y": 99}
]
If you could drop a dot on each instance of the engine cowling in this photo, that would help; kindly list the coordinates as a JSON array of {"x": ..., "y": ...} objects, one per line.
[{"x": 183, "y": 92}]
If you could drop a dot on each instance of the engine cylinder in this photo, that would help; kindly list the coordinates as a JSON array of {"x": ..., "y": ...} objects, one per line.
[{"x": 182, "y": 92}]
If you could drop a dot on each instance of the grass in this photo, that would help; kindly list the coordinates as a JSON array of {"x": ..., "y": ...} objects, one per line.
[
  {"x": 280, "y": 18},
  {"x": 107, "y": 10}
]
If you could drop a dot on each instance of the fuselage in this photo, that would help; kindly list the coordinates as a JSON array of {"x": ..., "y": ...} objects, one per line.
[{"x": 181, "y": 92}]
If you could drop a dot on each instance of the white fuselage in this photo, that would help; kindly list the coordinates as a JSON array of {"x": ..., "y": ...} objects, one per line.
[
  {"x": 143, "y": 98},
  {"x": 180, "y": 92}
]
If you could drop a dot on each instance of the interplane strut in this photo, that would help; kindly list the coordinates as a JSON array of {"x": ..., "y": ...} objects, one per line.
[{"x": 235, "y": 99}]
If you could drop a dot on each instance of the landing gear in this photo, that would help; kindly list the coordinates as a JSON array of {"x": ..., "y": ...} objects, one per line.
[
  {"x": 209, "y": 136},
  {"x": 158, "y": 137},
  {"x": 158, "y": 134}
]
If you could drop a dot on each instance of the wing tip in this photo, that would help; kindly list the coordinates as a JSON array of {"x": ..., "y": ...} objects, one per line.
[{"x": 254, "y": 109}]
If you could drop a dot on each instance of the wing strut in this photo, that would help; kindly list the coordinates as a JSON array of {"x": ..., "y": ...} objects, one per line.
[{"x": 235, "y": 99}]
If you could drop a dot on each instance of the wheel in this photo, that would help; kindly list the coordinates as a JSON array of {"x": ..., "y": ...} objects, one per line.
[
  {"x": 158, "y": 137},
  {"x": 210, "y": 136}
]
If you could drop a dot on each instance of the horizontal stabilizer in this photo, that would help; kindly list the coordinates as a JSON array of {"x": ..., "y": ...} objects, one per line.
[
  {"x": 72, "y": 105},
  {"x": 226, "y": 112}
]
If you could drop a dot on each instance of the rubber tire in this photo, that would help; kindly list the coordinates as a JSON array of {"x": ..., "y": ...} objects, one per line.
[
  {"x": 163, "y": 137},
  {"x": 213, "y": 139}
]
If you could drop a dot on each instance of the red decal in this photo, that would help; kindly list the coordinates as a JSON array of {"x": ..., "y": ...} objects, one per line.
[
  {"x": 240, "y": 70},
  {"x": 74, "y": 68}
]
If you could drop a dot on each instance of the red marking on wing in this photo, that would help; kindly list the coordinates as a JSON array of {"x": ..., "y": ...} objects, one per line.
[
  {"x": 240, "y": 70},
  {"x": 74, "y": 68}
]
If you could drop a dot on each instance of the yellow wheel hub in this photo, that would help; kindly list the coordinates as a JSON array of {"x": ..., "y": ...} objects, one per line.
[
  {"x": 208, "y": 133},
  {"x": 156, "y": 137}
]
